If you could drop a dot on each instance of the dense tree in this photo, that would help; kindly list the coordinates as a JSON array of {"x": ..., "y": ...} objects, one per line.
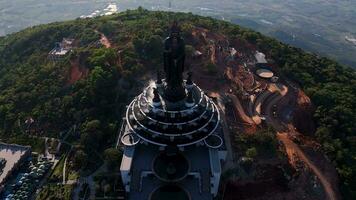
[
  {"x": 103, "y": 57},
  {"x": 251, "y": 152},
  {"x": 32, "y": 86},
  {"x": 92, "y": 135},
  {"x": 112, "y": 158},
  {"x": 211, "y": 68},
  {"x": 80, "y": 159}
]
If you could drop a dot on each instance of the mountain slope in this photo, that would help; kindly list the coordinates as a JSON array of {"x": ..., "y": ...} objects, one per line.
[
  {"x": 322, "y": 26},
  {"x": 32, "y": 86}
]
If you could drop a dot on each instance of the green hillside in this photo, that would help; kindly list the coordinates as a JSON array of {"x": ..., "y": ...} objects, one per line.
[{"x": 33, "y": 86}]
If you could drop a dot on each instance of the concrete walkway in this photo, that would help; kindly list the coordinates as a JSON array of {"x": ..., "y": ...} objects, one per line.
[{"x": 90, "y": 181}]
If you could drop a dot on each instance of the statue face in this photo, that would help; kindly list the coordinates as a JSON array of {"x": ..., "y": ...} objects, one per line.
[{"x": 175, "y": 35}]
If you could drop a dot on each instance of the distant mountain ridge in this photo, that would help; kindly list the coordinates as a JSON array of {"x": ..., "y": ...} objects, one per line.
[{"x": 318, "y": 26}]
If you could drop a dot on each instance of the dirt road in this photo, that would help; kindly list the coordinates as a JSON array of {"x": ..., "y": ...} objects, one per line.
[
  {"x": 105, "y": 41},
  {"x": 240, "y": 109},
  {"x": 275, "y": 100},
  {"x": 292, "y": 148}
]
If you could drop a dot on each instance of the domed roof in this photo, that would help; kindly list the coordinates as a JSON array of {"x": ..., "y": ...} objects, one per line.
[
  {"x": 170, "y": 168},
  {"x": 214, "y": 141},
  {"x": 170, "y": 192}
]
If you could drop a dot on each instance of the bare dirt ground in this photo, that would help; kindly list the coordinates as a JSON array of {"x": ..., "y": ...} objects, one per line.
[
  {"x": 302, "y": 115},
  {"x": 279, "y": 96},
  {"x": 105, "y": 41},
  {"x": 234, "y": 74},
  {"x": 239, "y": 76},
  {"x": 293, "y": 149},
  {"x": 240, "y": 110},
  {"x": 76, "y": 72}
]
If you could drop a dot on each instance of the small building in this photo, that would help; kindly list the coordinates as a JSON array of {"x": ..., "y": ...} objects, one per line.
[
  {"x": 260, "y": 58},
  {"x": 197, "y": 54},
  {"x": 61, "y": 49},
  {"x": 232, "y": 54},
  {"x": 14, "y": 156}
]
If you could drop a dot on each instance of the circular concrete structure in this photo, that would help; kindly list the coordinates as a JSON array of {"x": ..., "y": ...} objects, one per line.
[
  {"x": 213, "y": 141},
  {"x": 170, "y": 192},
  {"x": 130, "y": 139},
  {"x": 167, "y": 123},
  {"x": 170, "y": 168},
  {"x": 264, "y": 73}
]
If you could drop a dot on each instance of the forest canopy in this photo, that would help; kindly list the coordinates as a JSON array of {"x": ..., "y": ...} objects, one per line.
[{"x": 33, "y": 86}]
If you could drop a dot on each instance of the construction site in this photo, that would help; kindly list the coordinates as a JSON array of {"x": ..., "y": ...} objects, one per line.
[{"x": 254, "y": 99}]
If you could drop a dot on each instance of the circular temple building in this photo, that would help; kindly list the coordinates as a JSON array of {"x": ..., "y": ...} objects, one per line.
[
  {"x": 171, "y": 136},
  {"x": 164, "y": 123}
]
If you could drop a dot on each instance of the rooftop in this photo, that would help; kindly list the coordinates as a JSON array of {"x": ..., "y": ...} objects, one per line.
[
  {"x": 196, "y": 183},
  {"x": 172, "y": 123},
  {"x": 264, "y": 73},
  {"x": 13, "y": 155},
  {"x": 260, "y": 57}
]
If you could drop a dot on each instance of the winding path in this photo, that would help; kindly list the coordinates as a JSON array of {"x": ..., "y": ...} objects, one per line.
[
  {"x": 240, "y": 109},
  {"x": 292, "y": 149},
  {"x": 105, "y": 41},
  {"x": 64, "y": 170},
  {"x": 275, "y": 100}
]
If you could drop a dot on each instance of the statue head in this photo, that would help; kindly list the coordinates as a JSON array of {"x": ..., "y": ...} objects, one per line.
[
  {"x": 174, "y": 57},
  {"x": 175, "y": 30}
]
